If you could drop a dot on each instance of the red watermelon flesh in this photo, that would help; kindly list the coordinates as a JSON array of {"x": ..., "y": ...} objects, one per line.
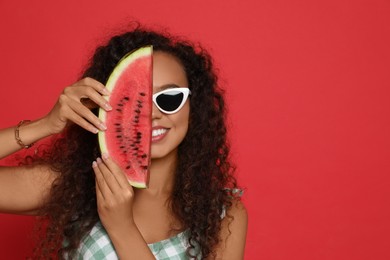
[{"x": 127, "y": 139}]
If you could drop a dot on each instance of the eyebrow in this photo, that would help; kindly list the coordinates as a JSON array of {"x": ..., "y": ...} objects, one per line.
[{"x": 166, "y": 86}]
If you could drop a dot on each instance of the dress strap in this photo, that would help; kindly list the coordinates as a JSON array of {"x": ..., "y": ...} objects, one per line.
[{"x": 234, "y": 193}]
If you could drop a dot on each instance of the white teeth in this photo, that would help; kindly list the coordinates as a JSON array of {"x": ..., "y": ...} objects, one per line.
[{"x": 158, "y": 132}]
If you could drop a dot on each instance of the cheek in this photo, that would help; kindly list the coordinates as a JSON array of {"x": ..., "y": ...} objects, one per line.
[
  {"x": 185, "y": 115},
  {"x": 181, "y": 120}
]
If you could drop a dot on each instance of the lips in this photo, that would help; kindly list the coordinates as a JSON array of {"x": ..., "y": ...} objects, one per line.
[{"x": 158, "y": 133}]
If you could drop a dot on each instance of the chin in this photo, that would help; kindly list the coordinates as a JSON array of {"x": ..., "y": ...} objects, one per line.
[{"x": 162, "y": 153}]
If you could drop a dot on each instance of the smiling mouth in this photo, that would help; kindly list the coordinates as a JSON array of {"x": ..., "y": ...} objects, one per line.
[{"x": 158, "y": 134}]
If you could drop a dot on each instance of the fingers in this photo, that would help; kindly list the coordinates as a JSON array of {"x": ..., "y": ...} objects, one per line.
[
  {"x": 117, "y": 172},
  {"x": 102, "y": 189},
  {"x": 85, "y": 118},
  {"x": 99, "y": 194},
  {"x": 96, "y": 85},
  {"x": 110, "y": 177},
  {"x": 85, "y": 88},
  {"x": 114, "y": 204},
  {"x": 89, "y": 89},
  {"x": 95, "y": 92},
  {"x": 77, "y": 100}
]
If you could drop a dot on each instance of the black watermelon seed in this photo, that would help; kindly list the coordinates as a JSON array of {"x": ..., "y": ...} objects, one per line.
[
  {"x": 142, "y": 94},
  {"x": 128, "y": 167},
  {"x": 126, "y": 98}
]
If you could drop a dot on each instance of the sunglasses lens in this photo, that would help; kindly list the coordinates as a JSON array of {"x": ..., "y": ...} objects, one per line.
[{"x": 170, "y": 101}]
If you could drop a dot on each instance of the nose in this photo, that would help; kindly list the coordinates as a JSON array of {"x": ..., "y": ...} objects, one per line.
[{"x": 156, "y": 113}]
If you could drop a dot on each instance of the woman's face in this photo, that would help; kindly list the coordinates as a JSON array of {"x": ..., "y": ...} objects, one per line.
[{"x": 169, "y": 130}]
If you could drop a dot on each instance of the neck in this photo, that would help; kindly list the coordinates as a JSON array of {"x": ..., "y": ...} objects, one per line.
[{"x": 162, "y": 175}]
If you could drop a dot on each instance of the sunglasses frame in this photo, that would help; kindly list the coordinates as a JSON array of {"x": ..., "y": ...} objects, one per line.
[{"x": 185, "y": 91}]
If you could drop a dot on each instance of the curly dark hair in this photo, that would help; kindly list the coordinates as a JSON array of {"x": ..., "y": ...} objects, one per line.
[{"x": 203, "y": 172}]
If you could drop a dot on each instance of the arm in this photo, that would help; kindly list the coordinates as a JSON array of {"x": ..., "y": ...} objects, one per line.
[
  {"x": 29, "y": 133},
  {"x": 69, "y": 108},
  {"x": 233, "y": 235},
  {"x": 23, "y": 189}
]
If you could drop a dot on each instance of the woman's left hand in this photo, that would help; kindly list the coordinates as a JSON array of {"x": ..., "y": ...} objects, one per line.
[
  {"x": 115, "y": 207},
  {"x": 114, "y": 196}
]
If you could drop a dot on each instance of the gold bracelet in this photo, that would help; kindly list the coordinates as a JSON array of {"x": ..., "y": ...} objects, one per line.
[{"x": 17, "y": 137}]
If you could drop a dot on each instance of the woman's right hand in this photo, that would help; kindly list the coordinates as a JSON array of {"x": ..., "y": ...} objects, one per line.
[
  {"x": 23, "y": 189},
  {"x": 74, "y": 106}
]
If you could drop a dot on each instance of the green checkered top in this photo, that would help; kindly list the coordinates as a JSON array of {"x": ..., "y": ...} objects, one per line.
[{"x": 97, "y": 245}]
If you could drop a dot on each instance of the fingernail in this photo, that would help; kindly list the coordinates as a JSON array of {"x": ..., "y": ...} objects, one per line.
[
  {"x": 94, "y": 164},
  {"x": 105, "y": 156},
  {"x": 94, "y": 130},
  {"x": 105, "y": 91},
  {"x": 108, "y": 107},
  {"x": 103, "y": 126},
  {"x": 99, "y": 160}
]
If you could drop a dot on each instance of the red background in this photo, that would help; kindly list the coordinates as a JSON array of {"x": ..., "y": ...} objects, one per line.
[{"x": 308, "y": 92}]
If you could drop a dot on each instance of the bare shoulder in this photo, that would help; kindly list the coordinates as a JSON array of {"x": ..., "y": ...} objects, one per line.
[
  {"x": 233, "y": 233},
  {"x": 238, "y": 211},
  {"x": 238, "y": 222}
]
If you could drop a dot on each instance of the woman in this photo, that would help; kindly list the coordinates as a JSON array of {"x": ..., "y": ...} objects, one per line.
[{"x": 191, "y": 208}]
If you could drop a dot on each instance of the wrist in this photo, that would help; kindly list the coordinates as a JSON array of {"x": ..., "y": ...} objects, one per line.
[
  {"x": 45, "y": 126},
  {"x": 129, "y": 242},
  {"x": 28, "y": 132},
  {"x": 125, "y": 229},
  {"x": 17, "y": 135}
]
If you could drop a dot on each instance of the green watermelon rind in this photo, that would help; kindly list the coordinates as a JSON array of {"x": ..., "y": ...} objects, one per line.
[{"x": 116, "y": 73}]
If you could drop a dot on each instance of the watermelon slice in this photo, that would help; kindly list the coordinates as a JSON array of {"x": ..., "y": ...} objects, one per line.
[{"x": 127, "y": 139}]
